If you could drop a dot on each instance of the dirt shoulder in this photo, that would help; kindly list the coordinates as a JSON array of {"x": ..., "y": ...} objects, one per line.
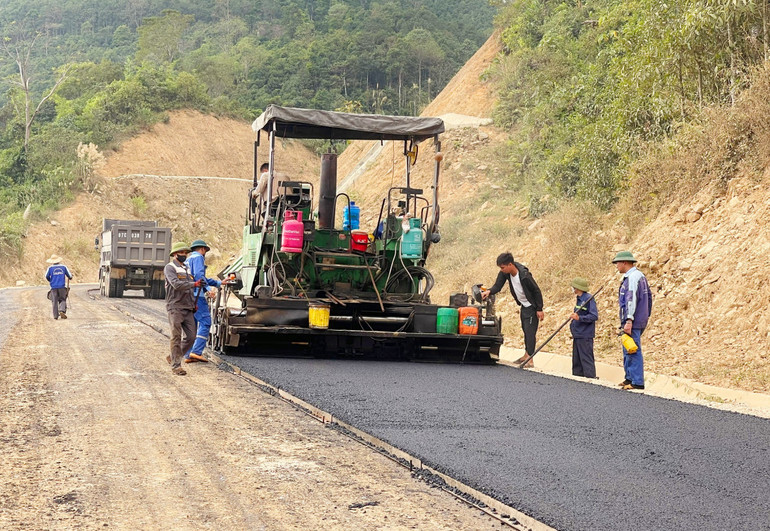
[{"x": 97, "y": 433}]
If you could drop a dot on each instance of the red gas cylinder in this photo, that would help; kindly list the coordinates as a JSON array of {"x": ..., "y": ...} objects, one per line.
[
  {"x": 293, "y": 232},
  {"x": 359, "y": 240}
]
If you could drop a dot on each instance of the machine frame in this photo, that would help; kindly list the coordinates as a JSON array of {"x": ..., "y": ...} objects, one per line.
[{"x": 377, "y": 298}]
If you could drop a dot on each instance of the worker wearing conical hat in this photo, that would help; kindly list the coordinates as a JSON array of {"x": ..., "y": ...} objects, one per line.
[{"x": 58, "y": 277}]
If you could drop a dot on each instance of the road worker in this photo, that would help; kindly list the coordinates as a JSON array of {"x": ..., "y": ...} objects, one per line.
[
  {"x": 583, "y": 329},
  {"x": 261, "y": 191},
  {"x": 635, "y": 300},
  {"x": 527, "y": 295},
  {"x": 58, "y": 277},
  {"x": 180, "y": 304},
  {"x": 196, "y": 261}
]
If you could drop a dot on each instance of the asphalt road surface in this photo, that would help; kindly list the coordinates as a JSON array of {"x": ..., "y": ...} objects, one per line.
[{"x": 573, "y": 455}]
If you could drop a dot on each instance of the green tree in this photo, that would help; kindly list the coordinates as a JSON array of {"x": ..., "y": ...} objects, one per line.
[
  {"x": 160, "y": 37},
  {"x": 424, "y": 51},
  {"x": 19, "y": 46}
]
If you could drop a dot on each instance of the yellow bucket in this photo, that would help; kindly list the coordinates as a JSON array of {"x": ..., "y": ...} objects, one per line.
[
  {"x": 318, "y": 315},
  {"x": 629, "y": 344}
]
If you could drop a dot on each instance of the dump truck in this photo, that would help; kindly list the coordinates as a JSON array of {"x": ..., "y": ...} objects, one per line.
[
  {"x": 132, "y": 257},
  {"x": 307, "y": 285}
]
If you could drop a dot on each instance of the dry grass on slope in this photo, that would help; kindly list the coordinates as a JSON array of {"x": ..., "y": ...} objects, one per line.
[
  {"x": 697, "y": 210},
  {"x": 466, "y": 93}
]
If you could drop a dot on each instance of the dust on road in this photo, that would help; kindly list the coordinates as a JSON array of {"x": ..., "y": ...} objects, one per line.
[{"x": 96, "y": 432}]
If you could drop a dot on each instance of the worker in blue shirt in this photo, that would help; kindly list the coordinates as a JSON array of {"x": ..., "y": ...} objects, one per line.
[
  {"x": 58, "y": 276},
  {"x": 196, "y": 261}
]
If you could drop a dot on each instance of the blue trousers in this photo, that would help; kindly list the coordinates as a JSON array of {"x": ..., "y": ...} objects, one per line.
[
  {"x": 203, "y": 319},
  {"x": 633, "y": 364}
]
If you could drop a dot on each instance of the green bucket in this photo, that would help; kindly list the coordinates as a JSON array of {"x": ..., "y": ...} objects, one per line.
[{"x": 447, "y": 320}]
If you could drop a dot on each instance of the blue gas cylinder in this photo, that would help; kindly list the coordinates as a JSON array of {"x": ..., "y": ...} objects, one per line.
[
  {"x": 350, "y": 218},
  {"x": 411, "y": 242}
]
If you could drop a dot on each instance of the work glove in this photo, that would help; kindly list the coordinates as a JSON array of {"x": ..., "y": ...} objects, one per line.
[{"x": 199, "y": 283}]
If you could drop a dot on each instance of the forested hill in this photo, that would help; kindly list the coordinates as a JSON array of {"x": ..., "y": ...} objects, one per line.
[
  {"x": 79, "y": 76},
  {"x": 372, "y": 55}
]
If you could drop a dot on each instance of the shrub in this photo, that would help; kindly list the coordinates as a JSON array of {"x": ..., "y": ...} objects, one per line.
[
  {"x": 12, "y": 231},
  {"x": 138, "y": 205}
]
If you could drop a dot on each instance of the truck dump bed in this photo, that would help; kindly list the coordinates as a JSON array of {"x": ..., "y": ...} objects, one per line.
[
  {"x": 133, "y": 255},
  {"x": 135, "y": 243}
]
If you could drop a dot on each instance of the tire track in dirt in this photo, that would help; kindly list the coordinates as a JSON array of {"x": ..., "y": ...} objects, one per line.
[{"x": 97, "y": 433}]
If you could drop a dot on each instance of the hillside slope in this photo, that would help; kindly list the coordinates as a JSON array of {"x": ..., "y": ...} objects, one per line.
[
  {"x": 704, "y": 255},
  {"x": 181, "y": 173}
]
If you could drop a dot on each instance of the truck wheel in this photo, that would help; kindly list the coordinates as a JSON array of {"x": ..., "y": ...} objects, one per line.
[
  {"x": 160, "y": 290},
  {"x": 112, "y": 284},
  {"x": 120, "y": 285},
  {"x": 155, "y": 289}
]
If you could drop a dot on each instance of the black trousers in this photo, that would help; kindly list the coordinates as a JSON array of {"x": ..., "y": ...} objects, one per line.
[
  {"x": 529, "y": 324},
  {"x": 583, "y": 358},
  {"x": 59, "y": 300}
]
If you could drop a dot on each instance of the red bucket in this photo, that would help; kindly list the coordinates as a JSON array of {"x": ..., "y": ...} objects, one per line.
[{"x": 359, "y": 240}]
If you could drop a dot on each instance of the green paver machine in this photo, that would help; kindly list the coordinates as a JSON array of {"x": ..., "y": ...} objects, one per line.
[{"x": 307, "y": 287}]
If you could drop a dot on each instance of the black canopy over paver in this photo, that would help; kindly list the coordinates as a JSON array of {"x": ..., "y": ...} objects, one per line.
[{"x": 293, "y": 122}]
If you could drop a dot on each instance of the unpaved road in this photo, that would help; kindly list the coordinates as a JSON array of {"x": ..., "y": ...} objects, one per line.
[{"x": 97, "y": 433}]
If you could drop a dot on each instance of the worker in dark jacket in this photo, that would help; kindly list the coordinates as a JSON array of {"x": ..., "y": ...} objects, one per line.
[
  {"x": 180, "y": 304},
  {"x": 583, "y": 328},
  {"x": 526, "y": 293}
]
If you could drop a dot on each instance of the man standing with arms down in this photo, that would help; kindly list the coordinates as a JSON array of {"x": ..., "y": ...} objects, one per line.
[
  {"x": 180, "y": 304},
  {"x": 58, "y": 275},
  {"x": 635, "y": 300},
  {"x": 197, "y": 264},
  {"x": 526, "y": 293}
]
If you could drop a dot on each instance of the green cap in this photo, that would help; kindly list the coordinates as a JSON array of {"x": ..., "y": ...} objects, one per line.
[
  {"x": 199, "y": 243},
  {"x": 580, "y": 283},
  {"x": 178, "y": 246},
  {"x": 624, "y": 256}
]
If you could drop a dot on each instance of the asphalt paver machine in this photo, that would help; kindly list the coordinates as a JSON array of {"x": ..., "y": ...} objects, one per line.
[{"x": 308, "y": 286}]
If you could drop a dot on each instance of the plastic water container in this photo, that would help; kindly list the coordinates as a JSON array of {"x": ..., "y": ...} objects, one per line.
[
  {"x": 351, "y": 218},
  {"x": 318, "y": 315},
  {"x": 629, "y": 344},
  {"x": 447, "y": 320},
  {"x": 468, "y": 320},
  {"x": 411, "y": 242},
  {"x": 293, "y": 234}
]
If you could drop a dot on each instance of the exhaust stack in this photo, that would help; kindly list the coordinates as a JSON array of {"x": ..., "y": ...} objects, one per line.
[{"x": 328, "y": 191}]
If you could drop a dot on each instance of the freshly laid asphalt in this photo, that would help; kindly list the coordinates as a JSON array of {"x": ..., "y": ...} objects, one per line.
[{"x": 573, "y": 455}]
